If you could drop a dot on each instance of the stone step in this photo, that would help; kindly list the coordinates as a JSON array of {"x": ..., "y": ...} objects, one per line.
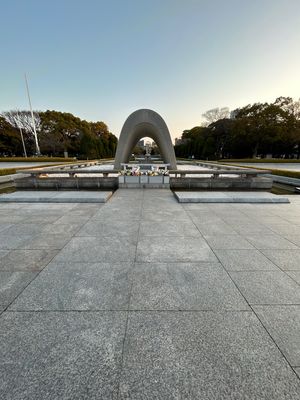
[
  {"x": 56, "y": 197},
  {"x": 229, "y": 197}
]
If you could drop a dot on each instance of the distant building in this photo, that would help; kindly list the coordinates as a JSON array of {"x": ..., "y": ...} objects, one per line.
[{"x": 141, "y": 144}]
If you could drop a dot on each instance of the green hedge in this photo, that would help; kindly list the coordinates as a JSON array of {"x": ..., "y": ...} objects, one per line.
[
  {"x": 7, "y": 171},
  {"x": 10, "y": 171},
  {"x": 279, "y": 172},
  {"x": 37, "y": 159},
  {"x": 261, "y": 160}
]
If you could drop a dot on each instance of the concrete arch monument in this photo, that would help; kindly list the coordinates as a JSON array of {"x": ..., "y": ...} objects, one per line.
[{"x": 143, "y": 123}]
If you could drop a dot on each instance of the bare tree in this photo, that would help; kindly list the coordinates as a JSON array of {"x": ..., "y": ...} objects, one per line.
[
  {"x": 289, "y": 105},
  {"x": 22, "y": 119},
  {"x": 215, "y": 114}
]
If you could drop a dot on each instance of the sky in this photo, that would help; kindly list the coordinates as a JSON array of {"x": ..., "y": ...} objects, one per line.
[{"x": 104, "y": 59}]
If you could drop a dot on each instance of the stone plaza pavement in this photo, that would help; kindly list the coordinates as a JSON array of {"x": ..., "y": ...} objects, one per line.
[{"x": 146, "y": 298}]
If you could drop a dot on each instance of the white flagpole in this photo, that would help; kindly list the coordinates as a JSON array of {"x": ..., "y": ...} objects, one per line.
[
  {"x": 38, "y": 152},
  {"x": 24, "y": 148},
  {"x": 21, "y": 133}
]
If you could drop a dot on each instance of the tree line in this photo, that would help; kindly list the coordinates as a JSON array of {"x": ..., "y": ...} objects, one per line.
[
  {"x": 259, "y": 129},
  {"x": 57, "y": 132}
]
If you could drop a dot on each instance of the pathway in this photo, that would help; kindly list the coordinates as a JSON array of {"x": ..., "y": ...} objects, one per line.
[{"x": 146, "y": 298}]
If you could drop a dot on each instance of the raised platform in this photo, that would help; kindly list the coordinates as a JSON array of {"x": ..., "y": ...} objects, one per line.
[
  {"x": 229, "y": 197},
  {"x": 56, "y": 197}
]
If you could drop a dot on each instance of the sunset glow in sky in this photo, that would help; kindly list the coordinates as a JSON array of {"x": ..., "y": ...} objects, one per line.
[{"x": 102, "y": 60}]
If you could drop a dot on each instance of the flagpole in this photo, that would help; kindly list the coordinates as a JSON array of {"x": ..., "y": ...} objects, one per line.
[
  {"x": 24, "y": 148},
  {"x": 38, "y": 152},
  {"x": 21, "y": 133}
]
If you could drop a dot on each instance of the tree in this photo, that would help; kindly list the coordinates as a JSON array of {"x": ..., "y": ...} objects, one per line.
[
  {"x": 10, "y": 139},
  {"x": 23, "y": 120},
  {"x": 264, "y": 124},
  {"x": 220, "y": 132},
  {"x": 61, "y": 132},
  {"x": 215, "y": 114}
]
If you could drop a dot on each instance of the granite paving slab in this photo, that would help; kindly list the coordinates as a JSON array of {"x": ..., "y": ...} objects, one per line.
[
  {"x": 295, "y": 275},
  {"x": 267, "y": 287},
  {"x": 115, "y": 214},
  {"x": 283, "y": 324},
  {"x": 70, "y": 219},
  {"x": 173, "y": 249},
  {"x": 179, "y": 286},
  {"x": 47, "y": 241},
  {"x": 60, "y": 229},
  {"x": 171, "y": 228},
  {"x": 42, "y": 218},
  {"x": 164, "y": 215},
  {"x": 27, "y": 196},
  {"x": 285, "y": 259},
  {"x": 94, "y": 249},
  {"x": 294, "y": 239},
  {"x": 82, "y": 196},
  {"x": 77, "y": 286},
  {"x": 46, "y": 207},
  {"x": 4, "y": 227},
  {"x": 250, "y": 228},
  {"x": 86, "y": 209},
  {"x": 9, "y": 206},
  {"x": 107, "y": 228},
  {"x": 285, "y": 229},
  {"x": 154, "y": 205},
  {"x": 58, "y": 355},
  {"x": 220, "y": 228},
  {"x": 203, "y": 355},
  {"x": 265, "y": 242},
  {"x": 234, "y": 242},
  {"x": 9, "y": 218},
  {"x": 26, "y": 260},
  {"x": 3, "y": 253},
  {"x": 244, "y": 260},
  {"x": 270, "y": 220},
  {"x": 12, "y": 283},
  {"x": 10, "y": 242},
  {"x": 297, "y": 370},
  {"x": 24, "y": 229}
]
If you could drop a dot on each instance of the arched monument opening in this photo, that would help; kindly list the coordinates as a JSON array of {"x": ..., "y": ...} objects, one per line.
[{"x": 145, "y": 123}]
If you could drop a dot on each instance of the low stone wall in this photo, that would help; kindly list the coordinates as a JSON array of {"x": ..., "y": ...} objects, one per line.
[
  {"x": 250, "y": 183},
  {"x": 112, "y": 183},
  {"x": 68, "y": 183},
  {"x": 144, "y": 182}
]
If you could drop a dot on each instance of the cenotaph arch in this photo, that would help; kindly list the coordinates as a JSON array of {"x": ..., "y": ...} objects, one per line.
[{"x": 144, "y": 123}]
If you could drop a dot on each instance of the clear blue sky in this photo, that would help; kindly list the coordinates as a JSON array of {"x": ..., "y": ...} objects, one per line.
[{"x": 101, "y": 60}]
